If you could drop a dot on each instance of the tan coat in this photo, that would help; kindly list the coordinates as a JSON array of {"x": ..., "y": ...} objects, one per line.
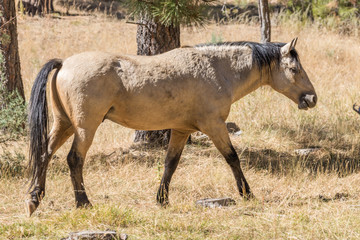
[{"x": 186, "y": 90}]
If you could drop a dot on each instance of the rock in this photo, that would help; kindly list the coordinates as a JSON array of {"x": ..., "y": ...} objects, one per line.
[
  {"x": 305, "y": 151},
  {"x": 341, "y": 196},
  {"x": 238, "y": 133},
  {"x": 200, "y": 136},
  {"x": 96, "y": 235},
  {"x": 232, "y": 127},
  {"x": 215, "y": 202},
  {"x": 123, "y": 236}
]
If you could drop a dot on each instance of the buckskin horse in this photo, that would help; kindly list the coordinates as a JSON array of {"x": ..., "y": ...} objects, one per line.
[{"x": 186, "y": 90}]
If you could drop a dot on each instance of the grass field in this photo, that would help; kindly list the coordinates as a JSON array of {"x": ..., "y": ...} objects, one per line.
[{"x": 311, "y": 197}]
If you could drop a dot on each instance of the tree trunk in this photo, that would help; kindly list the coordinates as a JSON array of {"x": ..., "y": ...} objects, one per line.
[
  {"x": 9, "y": 54},
  {"x": 264, "y": 15},
  {"x": 154, "y": 38}
]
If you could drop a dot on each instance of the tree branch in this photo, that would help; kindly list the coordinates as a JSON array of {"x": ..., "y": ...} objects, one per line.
[
  {"x": 137, "y": 23},
  {"x": 7, "y": 22}
]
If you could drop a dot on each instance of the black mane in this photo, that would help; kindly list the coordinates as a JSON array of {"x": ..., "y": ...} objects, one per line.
[{"x": 263, "y": 54}]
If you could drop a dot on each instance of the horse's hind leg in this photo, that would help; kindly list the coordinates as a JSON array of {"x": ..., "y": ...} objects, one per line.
[
  {"x": 59, "y": 133},
  {"x": 219, "y": 135},
  {"x": 176, "y": 146},
  {"x": 82, "y": 141}
]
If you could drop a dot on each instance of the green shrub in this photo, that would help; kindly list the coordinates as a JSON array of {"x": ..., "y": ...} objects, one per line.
[
  {"x": 320, "y": 9},
  {"x": 304, "y": 9},
  {"x": 12, "y": 165},
  {"x": 341, "y": 16},
  {"x": 13, "y": 111},
  {"x": 12, "y": 126}
]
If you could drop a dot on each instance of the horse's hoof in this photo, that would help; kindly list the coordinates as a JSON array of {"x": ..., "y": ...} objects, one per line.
[
  {"x": 163, "y": 202},
  {"x": 86, "y": 204},
  {"x": 30, "y": 207},
  {"x": 164, "y": 205},
  {"x": 249, "y": 196}
]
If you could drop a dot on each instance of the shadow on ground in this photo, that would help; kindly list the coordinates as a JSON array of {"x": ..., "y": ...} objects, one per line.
[
  {"x": 318, "y": 161},
  {"x": 284, "y": 163}
]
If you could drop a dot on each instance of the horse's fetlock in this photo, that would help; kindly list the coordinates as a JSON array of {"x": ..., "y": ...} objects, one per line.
[
  {"x": 162, "y": 196},
  {"x": 37, "y": 195},
  {"x": 244, "y": 189}
]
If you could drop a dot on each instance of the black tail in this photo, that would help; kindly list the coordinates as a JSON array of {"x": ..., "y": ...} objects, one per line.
[{"x": 38, "y": 121}]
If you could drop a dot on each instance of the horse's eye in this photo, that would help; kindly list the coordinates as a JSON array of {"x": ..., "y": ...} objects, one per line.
[{"x": 293, "y": 70}]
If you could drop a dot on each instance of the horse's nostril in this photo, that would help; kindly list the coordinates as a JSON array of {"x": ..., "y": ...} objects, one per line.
[{"x": 310, "y": 99}]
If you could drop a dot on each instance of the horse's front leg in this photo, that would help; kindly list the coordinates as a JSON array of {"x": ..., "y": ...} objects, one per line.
[
  {"x": 220, "y": 137},
  {"x": 177, "y": 142}
]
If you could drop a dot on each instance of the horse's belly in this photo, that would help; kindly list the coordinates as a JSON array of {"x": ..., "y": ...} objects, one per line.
[{"x": 150, "y": 117}]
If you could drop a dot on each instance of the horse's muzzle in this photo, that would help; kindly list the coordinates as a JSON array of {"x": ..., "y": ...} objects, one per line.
[{"x": 307, "y": 101}]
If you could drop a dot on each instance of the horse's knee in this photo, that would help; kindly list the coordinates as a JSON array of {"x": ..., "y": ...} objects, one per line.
[
  {"x": 232, "y": 157},
  {"x": 74, "y": 160}
]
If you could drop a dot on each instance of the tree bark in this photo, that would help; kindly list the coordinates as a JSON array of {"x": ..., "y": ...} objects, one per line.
[
  {"x": 154, "y": 38},
  {"x": 9, "y": 54},
  {"x": 264, "y": 15}
]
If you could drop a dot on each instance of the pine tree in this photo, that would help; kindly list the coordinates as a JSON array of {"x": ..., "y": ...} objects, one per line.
[{"x": 158, "y": 32}]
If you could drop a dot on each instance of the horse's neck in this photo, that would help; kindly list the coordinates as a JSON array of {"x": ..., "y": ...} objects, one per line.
[
  {"x": 246, "y": 82},
  {"x": 242, "y": 76},
  {"x": 245, "y": 76}
]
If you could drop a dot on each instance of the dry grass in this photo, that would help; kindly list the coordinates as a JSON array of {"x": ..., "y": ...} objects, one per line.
[{"x": 295, "y": 200}]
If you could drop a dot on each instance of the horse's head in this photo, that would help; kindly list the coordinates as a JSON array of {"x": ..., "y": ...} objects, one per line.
[{"x": 290, "y": 79}]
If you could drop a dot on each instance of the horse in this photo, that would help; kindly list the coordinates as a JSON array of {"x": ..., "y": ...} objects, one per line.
[{"x": 186, "y": 90}]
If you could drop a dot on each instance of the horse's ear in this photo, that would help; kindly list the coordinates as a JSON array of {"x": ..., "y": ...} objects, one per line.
[
  {"x": 285, "y": 50},
  {"x": 293, "y": 43}
]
